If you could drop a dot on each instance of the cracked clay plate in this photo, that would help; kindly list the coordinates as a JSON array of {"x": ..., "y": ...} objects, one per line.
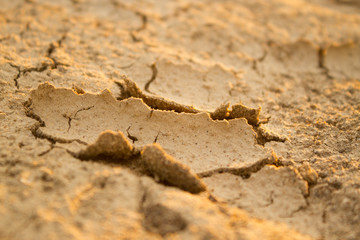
[{"x": 196, "y": 140}]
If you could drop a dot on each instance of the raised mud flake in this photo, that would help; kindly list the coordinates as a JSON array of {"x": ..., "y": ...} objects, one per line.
[
  {"x": 196, "y": 140},
  {"x": 129, "y": 88},
  {"x": 166, "y": 168}
]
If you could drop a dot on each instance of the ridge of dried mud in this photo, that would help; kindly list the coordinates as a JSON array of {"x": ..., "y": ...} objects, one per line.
[{"x": 139, "y": 119}]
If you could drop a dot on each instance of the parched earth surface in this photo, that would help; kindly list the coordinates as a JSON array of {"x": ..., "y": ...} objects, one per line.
[{"x": 180, "y": 119}]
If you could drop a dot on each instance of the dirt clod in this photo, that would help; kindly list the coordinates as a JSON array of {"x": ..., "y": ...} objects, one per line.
[
  {"x": 109, "y": 144},
  {"x": 167, "y": 169}
]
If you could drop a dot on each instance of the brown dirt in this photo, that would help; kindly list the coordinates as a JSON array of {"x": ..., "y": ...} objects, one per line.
[{"x": 179, "y": 119}]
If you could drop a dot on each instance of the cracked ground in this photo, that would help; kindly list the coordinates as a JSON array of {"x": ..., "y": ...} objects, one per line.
[{"x": 180, "y": 119}]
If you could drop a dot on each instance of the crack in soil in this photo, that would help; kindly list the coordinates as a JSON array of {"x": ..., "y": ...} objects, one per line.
[
  {"x": 36, "y": 131},
  {"x": 47, "y": 151},
  {"x": 71, "y": 118},
  {"x": 153, "y": 77},
  {"x": 156, "y": 138},
  {"x": 52, "y": 47},
  {"x": 143, "y": 17},
  {"x": 44, "y": 65},
  {"x": 244, "y": 172},
  {"x": 16, "y": 83},
  {"x": 21, "y": 72},
  {"x": 321, "y": 62},
  {"x": 131, "y": 137},
  {"x": 144, "y": 20}
]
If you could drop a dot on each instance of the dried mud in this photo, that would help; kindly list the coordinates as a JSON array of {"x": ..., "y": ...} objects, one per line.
[{"x": 180, "y": 119}]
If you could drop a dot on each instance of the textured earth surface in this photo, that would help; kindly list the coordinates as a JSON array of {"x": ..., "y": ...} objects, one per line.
[{"x": 180, "y": 119}]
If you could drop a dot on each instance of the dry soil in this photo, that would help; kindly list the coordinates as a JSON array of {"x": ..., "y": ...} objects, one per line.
[{"x": 180, "y": 119}]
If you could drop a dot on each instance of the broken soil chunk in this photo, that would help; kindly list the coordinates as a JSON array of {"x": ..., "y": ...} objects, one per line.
[
  {"x": 109, "y": 144},
  {"x": 166, "y": 168},
  {"x": 221, "y": 112},
  {"x": 250, "y": 114}
]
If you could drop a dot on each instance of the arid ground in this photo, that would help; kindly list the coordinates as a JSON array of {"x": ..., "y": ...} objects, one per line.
[{"x": 181, "y": 119}]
